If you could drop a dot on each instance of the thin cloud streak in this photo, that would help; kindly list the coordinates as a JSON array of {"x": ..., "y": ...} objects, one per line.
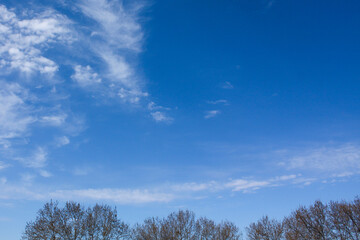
[
  {"x": 160, "y": 194},
  {"x": 211, "y": 114},
  {"x": 336, "y": 159},
  {"x": 116, "y": 38}
]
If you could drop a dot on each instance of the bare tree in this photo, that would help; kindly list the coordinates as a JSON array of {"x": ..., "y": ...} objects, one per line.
[
  {"x": 308, "y": 223},
  {"x": 179, "y": 226},
  {"x": 265, "y": 229},
  {"x": 149, "y": 230},
  {"x": 74, "y": 223},
  {"x": 182, "y": 225},
  {"x": 227, "y": 231},
  {"x": 46, "y": 225},
  {"x": 206, "y": 229},
  {"x": 71, "y": 221},
  {"x": 344, "y": 220}
]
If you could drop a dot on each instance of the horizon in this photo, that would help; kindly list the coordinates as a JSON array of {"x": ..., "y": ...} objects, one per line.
[{"x": 233, "y": 110}]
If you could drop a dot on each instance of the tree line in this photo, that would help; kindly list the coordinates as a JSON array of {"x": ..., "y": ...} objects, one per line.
[{"x": 319, "y": 221}]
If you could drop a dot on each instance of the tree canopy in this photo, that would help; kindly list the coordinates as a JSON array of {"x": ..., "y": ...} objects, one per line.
[{"x": 319, "y": 221}]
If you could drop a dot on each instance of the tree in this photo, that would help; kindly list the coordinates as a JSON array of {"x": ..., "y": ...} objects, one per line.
[
  {"x": 149, "y": 230},
  {"x": 265, "y": 229},
  {"x": 308, "y": 223},
  {"x": 206, "y": 229},
  {"x": 227, "y": 231},
  {"x": 72, "y": 222},
  {"x": 182, "y": 225}
]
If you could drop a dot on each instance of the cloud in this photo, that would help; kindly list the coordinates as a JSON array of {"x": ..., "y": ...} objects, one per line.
[
  {"x": 3, "y": 165},
  {"x": 161, "y": 117},
  {"x": 25, "y": 102},
  {"x": 82, "y": 171},
  {"x": 227, "y": 85},
  {"x": 246, "y": 185},
  {"x": 37, "y": 159},
  {"x": 21, "y": 40},
  {"x": 159, "y": 194},
  {"x": 15, "y": 113},
  {"x": 121, "y": 196},
  {"x": 85, "y": 76},
  {"x": 211, "y": 114},
  {"x": 158, "y": 113},
  {"x": 54, "y": 120},
  {"x": 44, "y": 173},
  {"x": 116, "y": 39},
  {"x": 117, "y": 22},
  {"x": 333, "y": 158},
  {"x": 242, "y": 184},
  {"x": 220, "y": 101},
  {"x": 62, "y": 141},
  {"x": 10, "y": 191},
  {"x": 195, "y": 187}
]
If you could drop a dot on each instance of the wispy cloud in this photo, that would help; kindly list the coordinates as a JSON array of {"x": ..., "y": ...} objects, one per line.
[
  {"x": 81, "y": 171},
  {"x": 15, "y": 113},
  {"x": 62, "y": 141},
  {"x": 163, "y": 193},
  {"x": 220, "y": 101},
  {"x": 3, "y": 165},
  {"x": 227, "y": 85},
  {"x": 161, "y": 117},
  {"x": 37, "y": 159},
  {"x": 246, "y": 185},
  {"x": 28, "y": 96},
  {"x": 158, "y": 113},
  {"x": 85, "y": 76},
  {"x": 116, "y": 39},
  {"x": 336, "y": 159},
  {"x": 122, "y": 196},
  {"x": 211, "y": 114},
  {"x": 54, "y": 120}
]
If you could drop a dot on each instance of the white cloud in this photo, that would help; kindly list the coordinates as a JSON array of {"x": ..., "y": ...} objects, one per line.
[
  {"x": 227, "y": 85},
  {"x": 21, "y": 40},
  {"x": 3, "y": 165},
  {"x": 122, "y": 196},
  {"x": 44, "y": 173},
  {"x": 162, "y": 194},
  {"x": 244, "y": 185},
  {"x": 27, "y": 178},
  {"x": 161, "y": 117},
  {"x": 118, "y": 24},
  {"x": 332, "y": 158},
  {"x": 20, "y": 191},
  {"x": 220, "y": 101},
  {"x": 85, "y": 76},
  {"x": 15, "y": 114},
  {"x": 37, "y": 159},
  {"x": 132, "y": 95},
  {"x": 153, "y": 107},
  {"x": 195, "y": 187},
  {"x": 62, "y": 141},
  {"x": 211, "y": 114},
  {"x": 54, "y": 120},
  {"x": 116, "y": 38}
]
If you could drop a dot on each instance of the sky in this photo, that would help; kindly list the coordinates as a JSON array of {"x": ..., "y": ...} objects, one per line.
[{"x": 232, "y": 109}]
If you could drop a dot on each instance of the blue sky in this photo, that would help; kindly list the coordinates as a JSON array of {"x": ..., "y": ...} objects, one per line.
[{"x": 232, "y": 109}]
